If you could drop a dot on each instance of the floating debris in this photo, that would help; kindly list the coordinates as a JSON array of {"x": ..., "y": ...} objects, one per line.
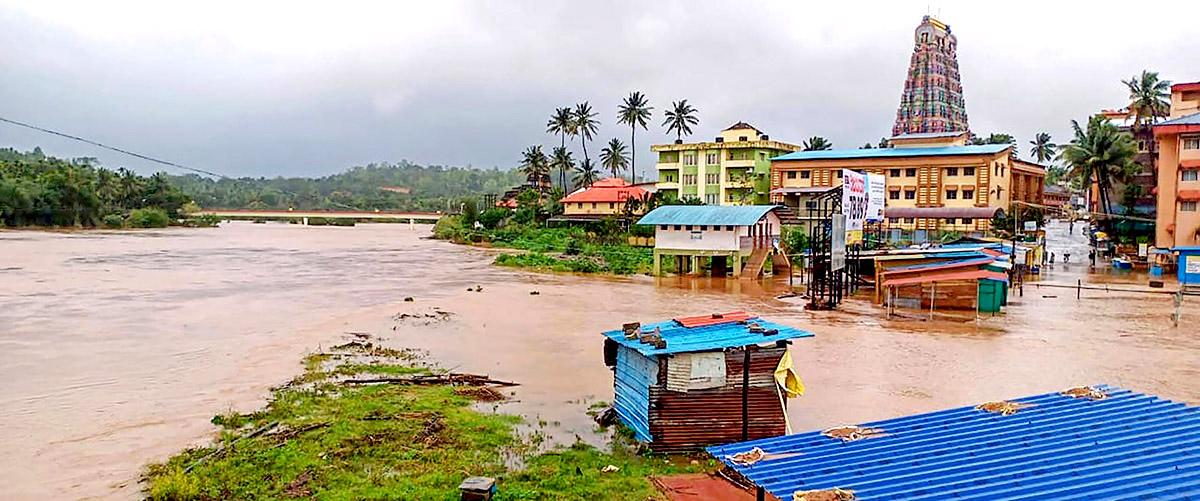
[
  {"x": 480, "y": 393},
  {"x": 852, "y": 433},
  {"x": 612, "y": 468},
  {"x": 1084, "y": 392},
  {"x": 1003, "y": 408},
  {"x": 755, "y": 455},
  {"x": 834, "y": 494},
  {"x": 534, "y": 293},
  {"x": 409, "y": 299}
]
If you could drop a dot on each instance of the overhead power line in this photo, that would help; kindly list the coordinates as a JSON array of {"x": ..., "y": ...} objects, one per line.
[{"x": 113, "y": 148}]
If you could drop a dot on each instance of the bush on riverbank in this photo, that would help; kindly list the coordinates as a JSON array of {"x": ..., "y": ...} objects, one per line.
[
  {"x": 322, "y": 439},
  {"x": 149, "y": 217}
]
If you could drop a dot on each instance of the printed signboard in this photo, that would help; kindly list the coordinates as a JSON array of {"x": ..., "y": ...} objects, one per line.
[
  {"x": 854, "y": 204},
  {"x": 876, "y": 197},
  {"x": 1030, "y": 225},
  {"x": 837, "y": 244},
  {"x": 1192, "y": 265}
]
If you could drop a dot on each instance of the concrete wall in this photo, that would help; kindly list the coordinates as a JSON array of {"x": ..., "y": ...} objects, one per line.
[
  {"x": 708, "y": 237},
  {"x": 594, "y": 208}
]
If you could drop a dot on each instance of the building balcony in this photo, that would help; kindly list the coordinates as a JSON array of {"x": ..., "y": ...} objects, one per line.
[
  {"x": 737, "y": 183},
  {"x": 667, "y": 166},
  {"x": 733, "y": 164},
  {"x": 667, "y": 185}
]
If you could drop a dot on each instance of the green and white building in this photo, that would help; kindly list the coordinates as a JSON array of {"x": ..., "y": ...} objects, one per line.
[{"x": 733, "y": 169}]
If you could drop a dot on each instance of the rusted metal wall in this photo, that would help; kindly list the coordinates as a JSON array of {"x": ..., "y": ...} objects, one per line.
[{"x": 689, "y": 421}]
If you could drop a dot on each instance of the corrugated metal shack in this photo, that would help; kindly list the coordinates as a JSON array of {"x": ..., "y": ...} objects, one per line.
[
  {"x": 1096, "y": 442},
  {"x": 683, "y": 384}
]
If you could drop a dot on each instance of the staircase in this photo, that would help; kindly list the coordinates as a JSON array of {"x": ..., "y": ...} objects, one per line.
[{"x": 754, "y": 265}]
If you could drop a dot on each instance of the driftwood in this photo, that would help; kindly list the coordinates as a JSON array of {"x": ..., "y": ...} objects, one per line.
[
  {"x": 220, "y": 451},
  {"x": 448, "y": 378}
]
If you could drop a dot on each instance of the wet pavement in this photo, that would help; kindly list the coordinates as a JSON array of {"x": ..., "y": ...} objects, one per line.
[{"x": 116, "y": 348}]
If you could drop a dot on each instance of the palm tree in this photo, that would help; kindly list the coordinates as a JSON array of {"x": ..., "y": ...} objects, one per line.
[
  {"x": 612, "y": 157},
  {"x": 561, "y": 161},
  {"x": 585, "y": 124},
  {"x": 1149, "y": 97},
  {"x": 634, "y": 111},
  {"x": 1043, "y": 148},
  {"x": 1102, "y": 154},
  {"x": 586, "y": 174},
  {"x": 817, "y": 143},
  {"x": 680, "y": 119},
  {"x": 535, "y": 166},
  {"x": 562, "y": 122}
]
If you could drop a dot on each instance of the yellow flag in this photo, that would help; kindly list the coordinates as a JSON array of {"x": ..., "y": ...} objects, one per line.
[{"x": 787, "y": 378}]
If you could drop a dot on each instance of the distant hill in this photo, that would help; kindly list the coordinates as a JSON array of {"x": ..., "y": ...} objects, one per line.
[{"x": 401, "y": 186}]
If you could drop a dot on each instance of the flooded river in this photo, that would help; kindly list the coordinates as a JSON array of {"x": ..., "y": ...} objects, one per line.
[{"x": 117, "y": 348}]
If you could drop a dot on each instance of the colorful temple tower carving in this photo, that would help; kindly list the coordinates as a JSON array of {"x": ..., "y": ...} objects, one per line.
[{"x": 932, "y": 100}]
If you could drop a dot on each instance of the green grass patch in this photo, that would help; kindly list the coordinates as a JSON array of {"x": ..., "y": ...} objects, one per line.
[{"x": 326, "y": 440}]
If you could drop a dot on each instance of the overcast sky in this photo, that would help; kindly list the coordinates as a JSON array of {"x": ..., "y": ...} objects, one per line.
[{"x": 283, "y": 88}]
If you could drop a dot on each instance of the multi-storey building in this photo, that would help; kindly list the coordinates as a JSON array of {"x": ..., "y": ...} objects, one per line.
[
  {"x": 1178, "y": 219},
  {"x": 932, "y": 100},
  {"x": 934, "y": 181},
  {"x": 732, "y": 169},
  {"x": 1145, "y": 178}
]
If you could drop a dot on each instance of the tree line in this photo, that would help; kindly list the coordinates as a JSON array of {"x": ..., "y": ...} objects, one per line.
[{"x": 40, "y": 190}]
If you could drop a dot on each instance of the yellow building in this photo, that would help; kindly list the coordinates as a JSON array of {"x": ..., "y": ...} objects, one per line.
[
  {"x": 732, "y": 169},
  {"x": 935, "y": 181},
  {"x": 1178, "y": 218}
]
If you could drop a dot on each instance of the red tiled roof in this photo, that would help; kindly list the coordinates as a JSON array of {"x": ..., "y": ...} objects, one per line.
[
  {"x": 714, "y": 319},
  {"x": 606, "y": 190},
  {"x": 1189, "y": 195}
]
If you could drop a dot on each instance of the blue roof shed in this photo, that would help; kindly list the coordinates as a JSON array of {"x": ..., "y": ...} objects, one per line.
[
  {"x": 683, "y": 384},
  {"x": 712, "y": 215},
  {"x": 1124, "y": 446},
  {"x": 1189, "y": 265}
]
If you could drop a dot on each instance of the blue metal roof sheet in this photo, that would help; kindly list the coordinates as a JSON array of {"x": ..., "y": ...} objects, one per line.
[
  {"x": 735, "y": 215},
  {"x": 1193, "y": 119},
  {"x": 973, "y": 258},
  {"x": 1126, "y": 446},
  {"x": 681, "y": 339},
  {"x": 937, "y": 151}
]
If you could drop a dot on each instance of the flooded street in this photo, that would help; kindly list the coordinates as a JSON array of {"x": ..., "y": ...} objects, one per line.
[{"x": 117, "y": 348}]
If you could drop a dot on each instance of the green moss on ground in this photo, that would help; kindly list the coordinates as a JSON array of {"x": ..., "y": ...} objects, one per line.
[{"x": 325, "y": 440}]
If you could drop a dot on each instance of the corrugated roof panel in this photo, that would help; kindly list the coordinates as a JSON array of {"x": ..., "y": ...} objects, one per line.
[
  {"x": 937, "y": 151},
  {"x": 1126, "y": 446},
  {"x": 732, "y": 215},
  {"x": 635, "y": 374},
  {"x": 712, "y": 337},
  {"x": 978, "y": 259},
  {"x": 1193, "y": 119}
]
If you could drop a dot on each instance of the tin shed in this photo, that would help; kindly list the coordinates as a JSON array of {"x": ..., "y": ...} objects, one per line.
[{"x": 690, "y": 382}]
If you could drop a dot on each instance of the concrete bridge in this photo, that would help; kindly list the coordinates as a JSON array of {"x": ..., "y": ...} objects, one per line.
[{"x": 305, "y": 214}]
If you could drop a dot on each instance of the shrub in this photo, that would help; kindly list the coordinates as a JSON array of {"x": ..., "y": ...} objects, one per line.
[
  {"x": 204, "y": 221},
  {"x": 150, "y": 217},
  {"x": 175, "y": 485},
  {"x": 491, "y": 218},
  {"x": 794, "y": 240},
  {"x": 114, "y": 221},
  {"x": 449, "y": 228},
  {"x": 573, "y": 247}
]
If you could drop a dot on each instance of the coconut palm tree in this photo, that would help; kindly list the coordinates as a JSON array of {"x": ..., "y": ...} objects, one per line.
[
  {"x": 613, "y": 158},
  {"x": 634, "y": 111},
  {"x": 817, "y": 143},
  {"x": 1102, "y": 154},
  {"x": 1149, "y": 97},
  {"x": 680, "y": 119},
  {"x": 585, "y": 124},
  {"x": 561, "y": 161},
  {"x": 562, "y": 123},
  {"x": 585, "y": 174},
  {"x": 1043, "y": 148},
  {"x": 535, "y": 165}
]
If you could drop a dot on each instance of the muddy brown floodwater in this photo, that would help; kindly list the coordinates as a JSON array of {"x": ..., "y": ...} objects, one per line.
[{"x": 117, "y": 348}]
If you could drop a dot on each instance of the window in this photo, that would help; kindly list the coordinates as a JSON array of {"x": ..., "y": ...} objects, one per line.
[
  {"x": 839, "y": 173},
  {"x": 894, "y": 173},
  {"x": 762, "y": 156},
  {"x": 580, "y": 204},
  {"x": 677, "y": 227},
  {"x": 689, "y": 179},
  {"x": 949, "y": 220},
  {"x": 968, "y": 194},
  {"x": 1190, "y": 175},
  {"x": 910, "y": 172},
  {"x": 1142, "y": 145},
  {"x": 1191, "y": 143},
  {"x": 704, "y": 227},
  {"x": 951, "y": 171},
  {"x": 791, "y": 174},
  {"x": 805, "y": 174},
  {"x": 910, "y": 194},
  {"x": 965, "y": 220},
  {"x": 894, "y": 195},
  {"x": 729, "y": 228},
  {"x": 729, "y": 196},
  {"x": 593, "y": 205},
  {"x": 712, "y": 178},
  {"x": 689, "y": 227},
  {"x": 612, "y": 205},
  {"x": 662, "y": 226},
  {"x": 689, "y": 159},
  {"x": 909, "y": 220},
  {"x": 968, "y": 171},
  {"x": 711, "y": 158},
  {"x": 893, "y": 220},
  {"x": 951, "y": 194},
  {"x": 1187, "y": 206},
  {"x": 711, "y": 198}
]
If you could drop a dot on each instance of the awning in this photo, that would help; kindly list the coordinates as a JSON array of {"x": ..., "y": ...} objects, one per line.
[
  {"x": 1189, "y": 195},
  {"x": 1189, "y": 164},
  {"x": 943, "y": 212},
  {"x": 944, "y": 276}
]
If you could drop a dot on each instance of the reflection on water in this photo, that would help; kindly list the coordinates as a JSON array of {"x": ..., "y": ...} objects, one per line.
[{"x": 116, "y": 348}]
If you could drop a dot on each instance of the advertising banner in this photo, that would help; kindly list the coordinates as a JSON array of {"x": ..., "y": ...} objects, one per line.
[
  {"x": 837, "y": 244},
  {"x": 876, "y": 197},
  {"x": 854, "y": 204}
]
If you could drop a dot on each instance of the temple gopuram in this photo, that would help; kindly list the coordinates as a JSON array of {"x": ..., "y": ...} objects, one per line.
[{"x": 932, "y": 100}]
